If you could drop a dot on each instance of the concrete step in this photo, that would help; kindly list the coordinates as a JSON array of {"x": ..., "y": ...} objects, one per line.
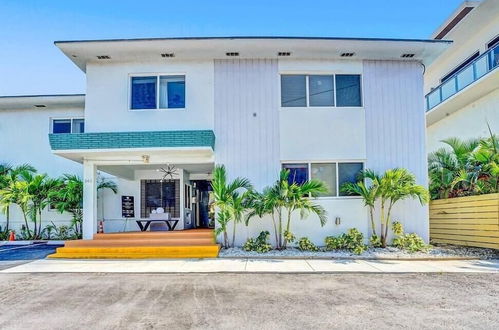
[
  {"x": 123, "y": 242},
  {"x": 138, "y": 252}
]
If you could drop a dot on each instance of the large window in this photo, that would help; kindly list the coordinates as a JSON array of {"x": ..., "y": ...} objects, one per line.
[
  {"x": 69, "y": 125},
  {"x": 157, "y": 92},
  {"x": 342, "y": 90},
  {"x": 160, "y": 193},
  {"x": 333, "y": 174}
]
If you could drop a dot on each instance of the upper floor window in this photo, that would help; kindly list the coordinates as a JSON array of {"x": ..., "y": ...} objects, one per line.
[
  {"x": 69, "y": 125},
  {"x": 342, "y": 90},
  {"x": 333, "y": 174},
  {"x": 157, "y": 92}
]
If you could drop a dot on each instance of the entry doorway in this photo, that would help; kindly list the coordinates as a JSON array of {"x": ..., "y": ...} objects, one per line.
[{"x": 202, "y": 211}]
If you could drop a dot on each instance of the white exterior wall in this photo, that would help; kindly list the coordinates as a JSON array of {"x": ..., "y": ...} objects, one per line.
[
  {"x": 324, "y": 134},
  {"x": 395, "y": 130},
  {"x": 467, "y": 123},
  {"x": 107, "y": 107},
  {"x": 24, "y": 139},
  {"x": 247, "y": 119}
]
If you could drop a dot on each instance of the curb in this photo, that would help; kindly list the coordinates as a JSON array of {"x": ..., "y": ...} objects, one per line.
[{"x": 353, "y": 258}]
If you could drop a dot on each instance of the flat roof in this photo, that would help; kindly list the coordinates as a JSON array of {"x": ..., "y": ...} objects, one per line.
[
  {"x": 43, "y": 101},
  {"x": 82, "y": 52}
]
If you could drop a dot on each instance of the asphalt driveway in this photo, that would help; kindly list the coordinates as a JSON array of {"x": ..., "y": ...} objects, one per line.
[{"x": 248, "y": 301}]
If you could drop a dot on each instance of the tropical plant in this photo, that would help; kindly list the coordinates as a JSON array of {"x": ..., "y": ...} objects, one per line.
[
  {"x": 465, "y": 168},
  {"x": 284, "y": 198},
  {"x": 261, "y": 205},
  {"x": 305, "y": 244},
  {"x": 369, "y": 193},
  {"x": 259, "y": 244},
  {"x": 408, "y": 242},
  {"x": 40, "y": 187},
  {"x": 8, "y": 175},
  {"x": 69, "y": 198},
  {"x": 230, "y": 199},
  {"x": 396, "y": 185},
  {"x": 352, "y": 240}
]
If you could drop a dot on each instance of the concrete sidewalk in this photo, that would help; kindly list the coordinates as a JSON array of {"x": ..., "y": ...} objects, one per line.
[{"x": 254, "y": 266}]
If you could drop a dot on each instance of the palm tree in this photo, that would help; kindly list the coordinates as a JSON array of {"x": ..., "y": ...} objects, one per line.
[
  {"x": 464, "y": 167},
  {"x": 369, "y": 193},
  {"x": 40, "y": 187},
  {"x": 8, "y": 175},
  {"x": 227, "y": 196},
  {"x": 395, "y": 185},
  {"x": 262, "y": 204},
  {"x": 69, "y": 198},
  {"x": 297, "y": 198}
]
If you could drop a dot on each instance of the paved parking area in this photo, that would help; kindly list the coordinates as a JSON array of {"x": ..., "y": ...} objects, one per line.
[
  {"x": 254, "y": 266},
  {"x": 249, "y": 301}
]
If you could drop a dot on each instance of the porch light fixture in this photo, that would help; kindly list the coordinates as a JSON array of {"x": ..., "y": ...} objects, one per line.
[{"x": 145, "y": 159}]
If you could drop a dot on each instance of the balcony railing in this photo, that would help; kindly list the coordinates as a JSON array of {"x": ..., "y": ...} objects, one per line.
[{"x": 482, "y": 65}]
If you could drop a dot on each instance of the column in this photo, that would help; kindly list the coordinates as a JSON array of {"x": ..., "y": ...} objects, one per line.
[{"x": 89, "y": 199}]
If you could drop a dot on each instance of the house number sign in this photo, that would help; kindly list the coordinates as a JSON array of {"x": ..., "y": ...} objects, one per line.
[{"x": 127, "y": 207}]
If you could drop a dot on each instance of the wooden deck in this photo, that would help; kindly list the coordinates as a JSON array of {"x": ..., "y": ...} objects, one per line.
[{"x": 192, "y": 243}]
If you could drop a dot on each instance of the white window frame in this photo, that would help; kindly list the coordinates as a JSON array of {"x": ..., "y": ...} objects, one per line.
[
  {"x": 157, "y": 75},
  {"x": 318, "y": 73},
  {"x": 64, "y": 118},
  {"x": 309, "y": 167}
]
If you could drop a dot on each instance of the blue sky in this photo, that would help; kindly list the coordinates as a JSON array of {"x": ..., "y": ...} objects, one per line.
[{"x": 31, "y": 64}]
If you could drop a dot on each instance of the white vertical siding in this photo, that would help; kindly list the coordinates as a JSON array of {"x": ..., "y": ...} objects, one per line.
[
  {"x": 395, "y": 129},
  {"x": 247, "y": 119}
]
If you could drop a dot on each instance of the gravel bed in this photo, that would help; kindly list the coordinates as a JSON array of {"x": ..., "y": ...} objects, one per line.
[{"x": 436, "y": 252}]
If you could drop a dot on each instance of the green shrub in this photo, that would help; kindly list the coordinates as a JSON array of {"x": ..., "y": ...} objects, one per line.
[
  {"x": 411, "y": 243},
  {"x": 353, "y": 241},
  {"x": 258, "y": 244},
  {"x": 304, "y": 244},
  {"x": 397, "y": 228},
  {"x": 289, "y": 237},
  {"x": 375, "y": 241}
]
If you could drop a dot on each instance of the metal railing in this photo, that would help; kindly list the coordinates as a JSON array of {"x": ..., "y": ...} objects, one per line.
[{"x": 475, "y": 70}]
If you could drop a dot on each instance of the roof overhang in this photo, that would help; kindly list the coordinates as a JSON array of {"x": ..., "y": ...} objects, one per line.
[
  {"x": 82, "y": 52},
  {"x": 26, "y": 102},
  {"x": 454, "y": 19},
  {"x": 136, "y": 146}
]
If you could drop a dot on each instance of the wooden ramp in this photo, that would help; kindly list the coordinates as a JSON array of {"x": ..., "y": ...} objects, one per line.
[{"x": 192, "y": 243}]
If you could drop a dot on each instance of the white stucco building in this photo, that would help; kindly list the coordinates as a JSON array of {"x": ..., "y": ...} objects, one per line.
[
  {"x": 462, "y": 85},
  {"x": 323, "y": 107}
]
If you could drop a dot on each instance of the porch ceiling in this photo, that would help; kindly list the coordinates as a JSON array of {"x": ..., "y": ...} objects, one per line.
[{"x": 128, "y": 171}]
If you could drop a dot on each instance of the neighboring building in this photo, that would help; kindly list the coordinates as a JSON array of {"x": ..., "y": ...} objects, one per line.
[
  {"x": 323, "y": 107},
  {"x": 462, "y": 85}
]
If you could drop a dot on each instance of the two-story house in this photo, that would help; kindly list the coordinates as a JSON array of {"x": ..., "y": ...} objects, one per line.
[
  {"x": 462, "y": 85},
  {"x": 158, "y": 114}
]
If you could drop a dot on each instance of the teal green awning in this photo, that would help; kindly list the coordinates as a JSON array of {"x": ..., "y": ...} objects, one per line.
[{"x": 122, "y": 140}]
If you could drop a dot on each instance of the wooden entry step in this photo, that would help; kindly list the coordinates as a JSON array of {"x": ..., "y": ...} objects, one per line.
[
  {"x": 139, "y": 252},
  {"x": 194, "y": 243},
  {"x": 175, "y": 241},
  {"x": 177, "y": 234}
]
